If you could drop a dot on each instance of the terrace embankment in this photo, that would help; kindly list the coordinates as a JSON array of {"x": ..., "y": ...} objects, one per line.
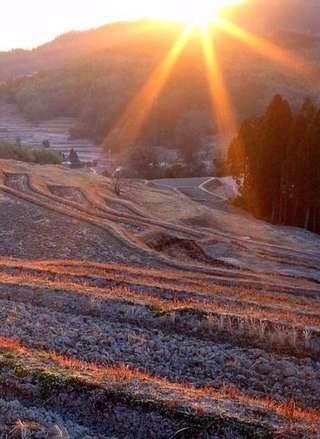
[
  {"x": 151, "y": 315},
  {"x": 14, "y": 125}
]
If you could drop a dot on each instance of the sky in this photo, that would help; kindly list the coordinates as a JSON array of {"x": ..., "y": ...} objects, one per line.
[{"x": 29, "y": 23}]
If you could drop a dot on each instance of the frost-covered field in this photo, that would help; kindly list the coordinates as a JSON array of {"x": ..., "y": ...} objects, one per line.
[{"x": 163, "y": 313}]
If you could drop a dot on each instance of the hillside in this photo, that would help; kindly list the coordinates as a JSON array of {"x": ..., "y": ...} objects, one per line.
[
  {"x": 258, "y": 15},
  {"x": 289, "y": 15},
  {"x": 57, "y": 131},
  {"x": 75, "y": 45},
  {"x": 160, "y": 311},
  {"x": 92, "y": 77},
  {"x": 97, "y": 89}
]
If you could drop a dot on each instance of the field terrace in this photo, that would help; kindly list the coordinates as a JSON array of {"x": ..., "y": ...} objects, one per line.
[{"x": 140, "y": 331}]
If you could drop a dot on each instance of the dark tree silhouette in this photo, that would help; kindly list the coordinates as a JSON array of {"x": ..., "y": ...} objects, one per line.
[{"x": 276, "y": 159}]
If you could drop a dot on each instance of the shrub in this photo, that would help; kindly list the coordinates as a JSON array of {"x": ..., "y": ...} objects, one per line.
[
  {"x": 175, "y": 171},
  {"x": 21, "y": 153}
]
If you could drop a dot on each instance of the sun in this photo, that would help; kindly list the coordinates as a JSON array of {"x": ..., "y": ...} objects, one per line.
[{"x": 200, "y": 13}]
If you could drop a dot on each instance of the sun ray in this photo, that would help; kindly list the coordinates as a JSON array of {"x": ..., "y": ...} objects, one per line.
[
  {"x": 136, "y": 113},
  {"x": 266, "y": 48},
  {"x": 221, "y": 103}
]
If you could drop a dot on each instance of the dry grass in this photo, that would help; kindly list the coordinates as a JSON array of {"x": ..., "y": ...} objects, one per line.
[
  {"x": 144, "y": 385},
  {"x": 267, "y": 326},
  {"x": 171, "y": 280},
  {"x": 247, "y": 312}
]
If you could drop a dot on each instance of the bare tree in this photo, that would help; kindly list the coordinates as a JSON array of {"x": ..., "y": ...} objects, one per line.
[{"x": 116, "y": 181}]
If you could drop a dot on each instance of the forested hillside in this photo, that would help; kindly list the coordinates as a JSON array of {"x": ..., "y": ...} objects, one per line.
[
  {"x": 97, "y": 89},
  {"x": 300, "y": 16},
  {"x": 277, "y": 160},
  {"x": 75, "y": 45},
  {"x": 293, "y": 15},
  {"x": 94, "y": 75}
]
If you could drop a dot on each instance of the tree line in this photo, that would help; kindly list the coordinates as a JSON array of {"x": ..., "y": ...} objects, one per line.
[{"x": 276, "y": 159}]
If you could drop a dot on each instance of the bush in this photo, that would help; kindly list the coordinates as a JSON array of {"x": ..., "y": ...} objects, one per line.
[
  {"x": 141, "y": 162},
  {"x": 10, "y": 151},
  {"x": 175, "y": 171}
]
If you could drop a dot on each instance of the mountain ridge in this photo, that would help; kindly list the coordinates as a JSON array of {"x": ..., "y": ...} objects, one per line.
[{"x": 283, "y": 15}]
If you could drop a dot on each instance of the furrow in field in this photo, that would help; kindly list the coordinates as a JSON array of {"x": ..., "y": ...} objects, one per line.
[
  {"x": 221, "y": 277},
  {"x": 40, "y": 189},
  {"x": 120, "y": 306},
  {"x": 100, "y": 210},
  {"x": 198, "y": 407},
  {"x": 170, "y": 304},
  {"x": 158, "y": 284},
  {"x": 119, "y": 233},
  {"x": 171, "y": 355}
]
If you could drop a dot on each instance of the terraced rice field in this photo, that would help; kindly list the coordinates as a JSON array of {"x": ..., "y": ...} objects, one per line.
[
  {"x": 13, "y": 125},
  {"x": 151, "y": 315}
]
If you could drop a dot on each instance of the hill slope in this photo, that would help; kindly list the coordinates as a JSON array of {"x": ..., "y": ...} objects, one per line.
[
  {"x": 99, "y": 89},
  {"x": 258, "y": 15},
  {"x": 74, "y": 45},
  {"x": 94, "y": 76},
  {"x": 159, "y": 311},
  {"x": 294, "y": 15}
]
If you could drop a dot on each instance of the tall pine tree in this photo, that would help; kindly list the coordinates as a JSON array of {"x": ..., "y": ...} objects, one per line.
[{"x": 277, "y": 161}]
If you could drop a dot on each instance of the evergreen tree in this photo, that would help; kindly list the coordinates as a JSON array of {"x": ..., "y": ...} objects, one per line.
[{"x": 276, "y": 159}]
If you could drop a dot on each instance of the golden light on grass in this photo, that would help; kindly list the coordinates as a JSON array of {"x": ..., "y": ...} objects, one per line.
[
  {"x": 138, "y": 385},
  {"x": 42, "y": 278}
]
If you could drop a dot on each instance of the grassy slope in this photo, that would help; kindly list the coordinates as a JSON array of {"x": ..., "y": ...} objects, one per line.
[{"x": 21, "y": 153}]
